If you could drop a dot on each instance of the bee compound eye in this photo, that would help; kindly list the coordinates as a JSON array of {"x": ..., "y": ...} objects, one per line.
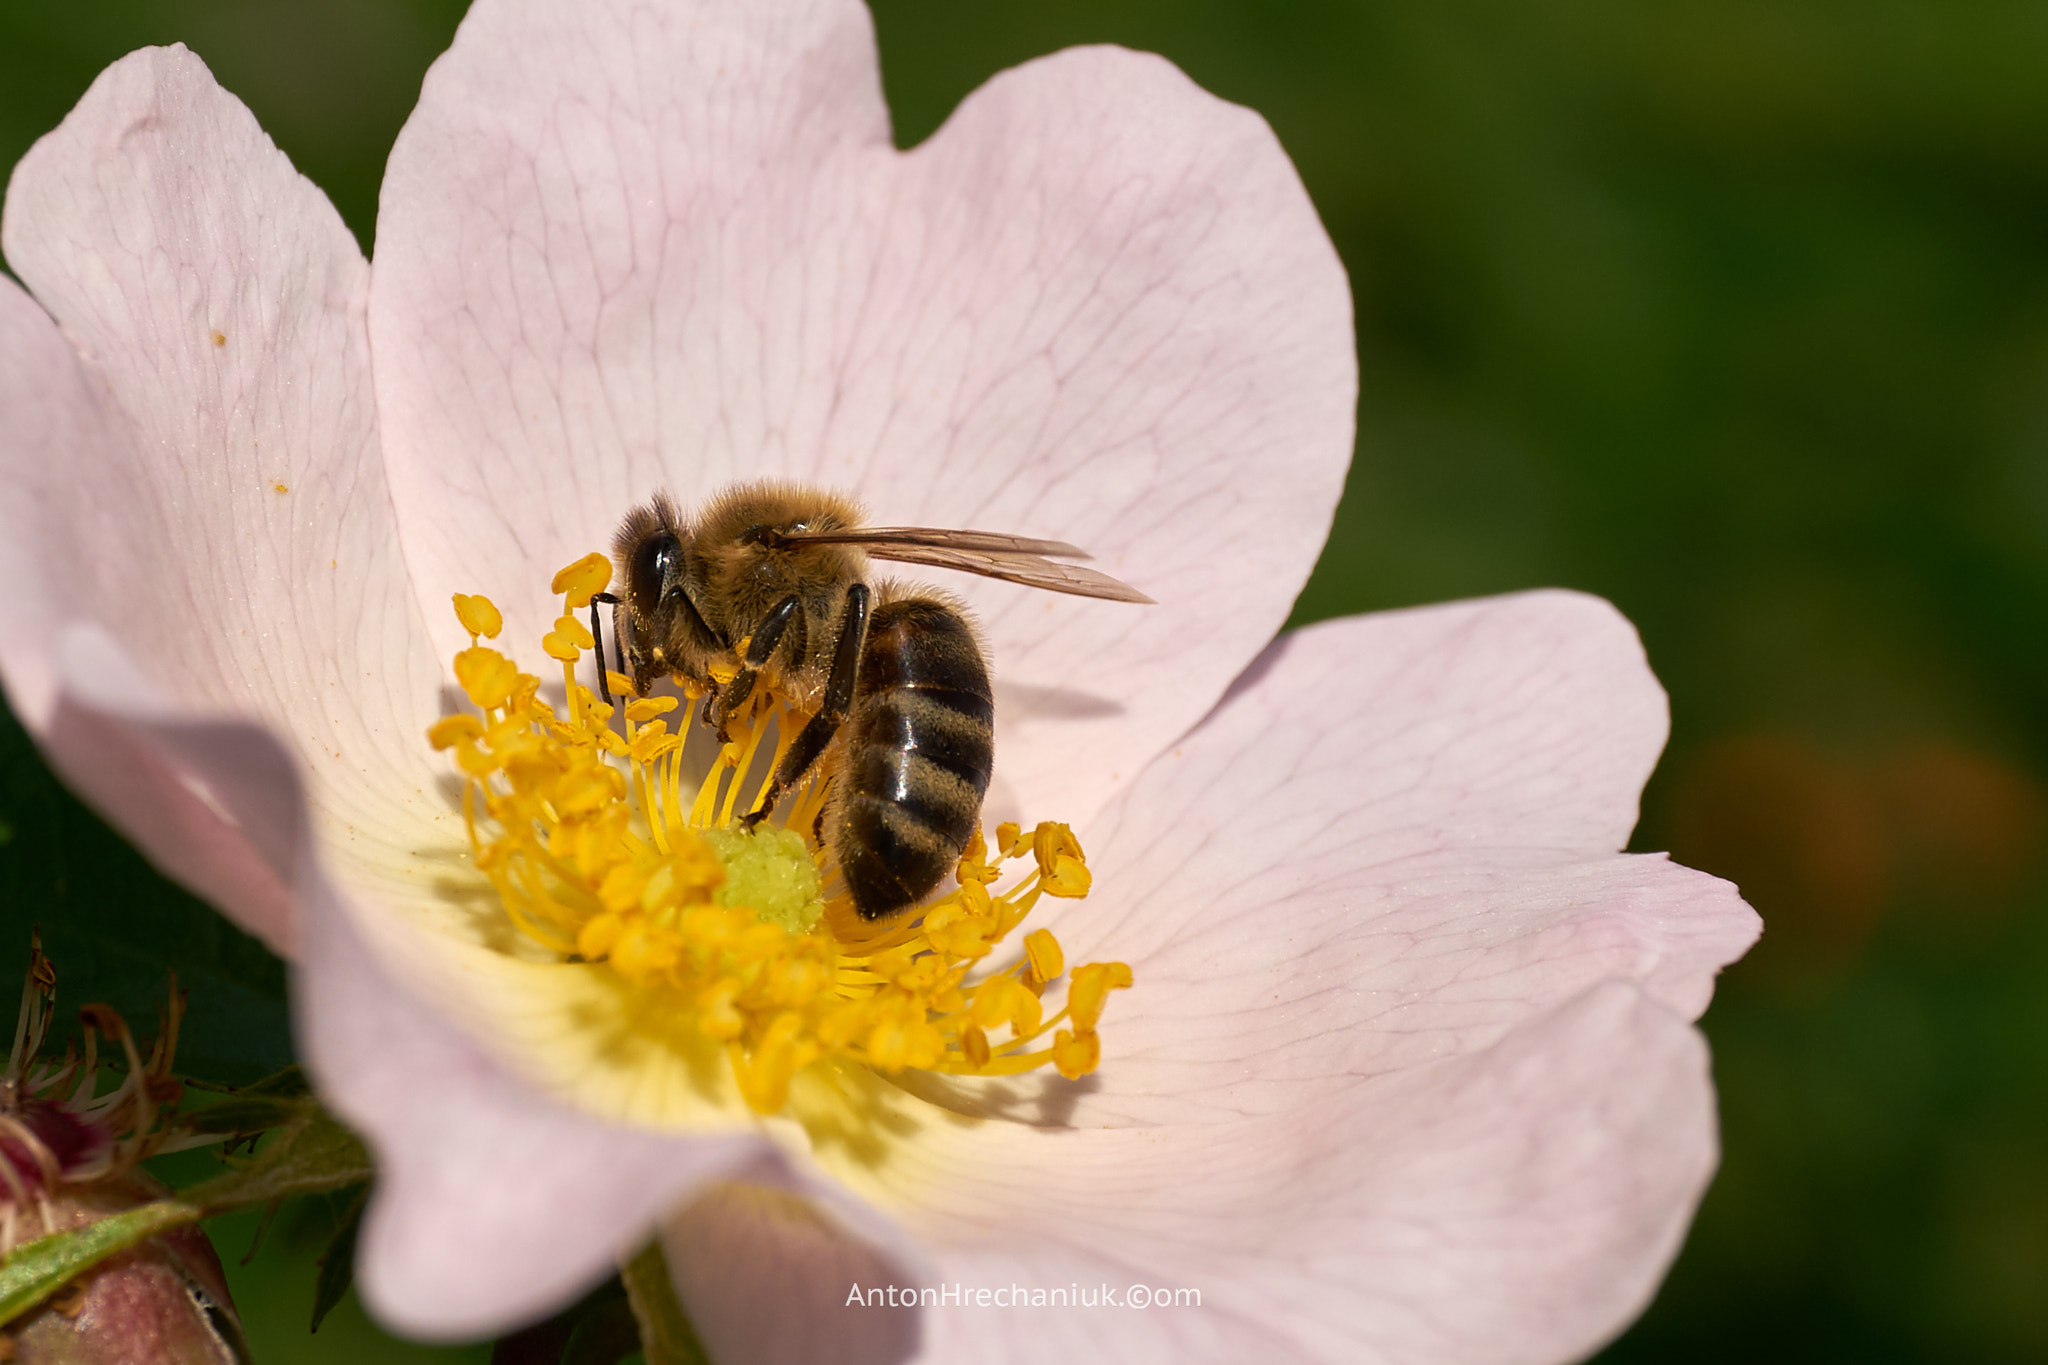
[{"x": 654, "y": 560}]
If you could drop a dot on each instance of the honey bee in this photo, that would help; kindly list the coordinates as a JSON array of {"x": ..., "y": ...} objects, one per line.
[{"x": 770, "y": 579}]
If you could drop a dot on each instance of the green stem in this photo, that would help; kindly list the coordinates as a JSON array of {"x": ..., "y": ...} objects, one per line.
[{"x": 666, "y": 1337}]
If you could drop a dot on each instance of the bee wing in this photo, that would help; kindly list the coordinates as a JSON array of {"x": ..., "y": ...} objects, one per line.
[
  {"x": 1014, "y": 559},
  {"x": 871, "y": 538},
  {"x": 1013, "y": 567}
]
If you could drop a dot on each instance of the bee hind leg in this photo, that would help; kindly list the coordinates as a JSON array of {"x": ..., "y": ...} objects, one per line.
[{"x": 817, "y": 733}]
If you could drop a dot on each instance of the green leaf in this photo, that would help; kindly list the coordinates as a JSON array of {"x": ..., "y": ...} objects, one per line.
[
  {"x": 338, "y": 1262},
  {"x": 666, "y": 1337},
  {"x": 242, "y": 1114},
  {"x": 287, "y": 1083},
  {"x": 312, "y": 1153},
  {"x": 35, "y": 1270}
]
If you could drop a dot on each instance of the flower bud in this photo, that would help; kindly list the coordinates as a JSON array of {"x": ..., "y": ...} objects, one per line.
[{"x": 164, "y": 1302}]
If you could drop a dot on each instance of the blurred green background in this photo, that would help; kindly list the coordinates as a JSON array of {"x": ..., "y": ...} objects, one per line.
[{"x": 1733, "y": 312}]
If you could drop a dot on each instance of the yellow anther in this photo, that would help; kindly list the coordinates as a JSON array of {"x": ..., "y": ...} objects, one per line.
[
  {"x": 580, "y": 793},
  {"x": 479, "y": 615},
  {"x": 1090, "y": 990},
  {"x": 475, "y": 761},
  {"x": 619, "y": 890},
  {"x": 1076, "y": 1054},
  {"x": 583, "y": 580},
  {"x": 711, "y": 927},
  {"x": 1053, "y": 843},
  {"x": 597, "y": 936},
  {"x": 1069, "y": 878},
  {"x": 565, "y": 644},
  {"x": 893, "y": 963},
  {"x": 601, "y": 851},
  {"x": 642, "y": 951},
  {"x": 1047, "y": 962},
  {"x": 715, "y": 1013},
  {"x": 449, "y": 731},
  {"x": 650, "y": 744},
  {"x": 485, "y": 676},
  {"x": 646, "y": 709},
  {"x": 575, "y": 630},
  {"x": 764, "y": 1080},
  {"x": 958, "y": 932},
  {"x": 845, "y": 1022},
  {"x": 1006, "y": 1000},
  {"x": 901, "y": 1040},
  {"x": 796, "y": 983}
]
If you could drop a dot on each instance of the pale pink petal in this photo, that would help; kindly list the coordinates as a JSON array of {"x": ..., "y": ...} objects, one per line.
[
  {"x": 55, "y": 413},
  {"x": 494, "y": 1205},
  {"x": 1405, "y": 1066},
  {"x": 1516, "y": 1204},
  {"x": 207, "y": 474},
  {"x": 748, "y": 1260},
  {"x": 1513, "y": 1204},
  {"x": 622, "y": 248},
  {"x": 1391, "y": 843}
]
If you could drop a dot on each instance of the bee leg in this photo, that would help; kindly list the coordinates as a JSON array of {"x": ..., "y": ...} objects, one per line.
[
  {"x": 710, "y": 705},
  {"x": 818, "y": 731},
  {"x": 818, "y": 825},
  {"x": 760, "y": 649}
]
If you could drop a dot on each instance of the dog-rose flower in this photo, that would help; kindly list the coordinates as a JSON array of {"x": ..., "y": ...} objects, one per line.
[{"x": 1406, "y": 1070}]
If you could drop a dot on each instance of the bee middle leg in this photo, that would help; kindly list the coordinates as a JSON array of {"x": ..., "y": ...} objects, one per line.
[{"x": 818, "y": 731}]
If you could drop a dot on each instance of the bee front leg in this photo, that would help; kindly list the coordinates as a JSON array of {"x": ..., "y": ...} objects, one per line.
[
  {"x": 818, "y": 731},
  {"x": 760, "y": 649}
]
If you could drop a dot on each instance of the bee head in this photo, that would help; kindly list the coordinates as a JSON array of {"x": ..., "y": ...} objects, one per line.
[{"x": 649, "y": 553}]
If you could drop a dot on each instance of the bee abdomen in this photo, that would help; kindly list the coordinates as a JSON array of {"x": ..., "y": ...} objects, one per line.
[{"x": 920, "y": 742}]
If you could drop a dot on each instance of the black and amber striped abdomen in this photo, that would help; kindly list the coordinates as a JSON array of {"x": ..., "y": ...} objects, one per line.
[{"x": 920, "y": 742}]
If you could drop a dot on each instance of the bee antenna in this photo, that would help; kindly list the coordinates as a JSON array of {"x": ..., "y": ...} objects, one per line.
[{"x": 604, "y": 688}]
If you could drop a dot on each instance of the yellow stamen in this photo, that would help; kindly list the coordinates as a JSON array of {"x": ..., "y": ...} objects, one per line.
[
  {"x": 1076, "y": 1054},
  {"x": 1043, "y": 950},
  {"x": 583, "y": 580},
  {"x": 600, "y": 851},
  {"x": 479, "y": 616}
]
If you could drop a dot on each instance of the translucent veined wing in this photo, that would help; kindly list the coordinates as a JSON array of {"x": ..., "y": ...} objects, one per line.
[
  {"x": 985, "y": 542},
  {"x": 1014, "y": 559}
]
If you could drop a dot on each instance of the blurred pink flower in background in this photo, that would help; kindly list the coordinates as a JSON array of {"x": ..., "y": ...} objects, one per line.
[{"x": 1407, "y": 1073}]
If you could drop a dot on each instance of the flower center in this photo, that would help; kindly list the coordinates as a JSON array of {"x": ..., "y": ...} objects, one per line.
[{"x": 604, "y": 847}]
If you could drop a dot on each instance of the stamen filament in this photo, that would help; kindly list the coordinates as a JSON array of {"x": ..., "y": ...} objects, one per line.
[{"x": 599, "y": 857}]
